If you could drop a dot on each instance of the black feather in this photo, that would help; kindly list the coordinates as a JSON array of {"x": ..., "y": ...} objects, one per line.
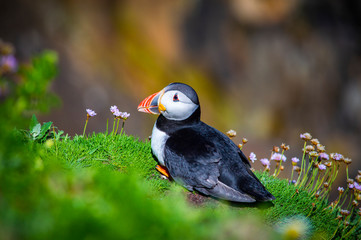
[{"x": 201, "y": 158}]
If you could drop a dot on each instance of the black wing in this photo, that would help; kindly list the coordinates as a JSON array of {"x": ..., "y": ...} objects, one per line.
[
  {"x": 234, "y": 168},
  {"x": 193, "y": 161}
]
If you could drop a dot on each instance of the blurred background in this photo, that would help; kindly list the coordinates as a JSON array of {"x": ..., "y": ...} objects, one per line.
[{"x": 269, "y": 69}]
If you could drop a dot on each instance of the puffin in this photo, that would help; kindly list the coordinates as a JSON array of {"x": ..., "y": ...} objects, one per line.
[{"x": 196, "y": 155}]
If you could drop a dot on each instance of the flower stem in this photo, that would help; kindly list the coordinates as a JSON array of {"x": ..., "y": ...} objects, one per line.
[
  {"x": 347, "y": 170},
  {"x": 338, "y": 226},
  {"x": 352, "y": 229},
  {"x": 349, "y": 202},
  {"x": 279, "y": 169},
  {"x": 121, "y": 131},
  {"x": 113, "y": 126},
  {"x": 345, "y": 196},
  {"x": 312, "y": 208},
  {"x": 312, "y": 180},
  {"x": 107, "y": 128},
  {"x": 334, "y": 174},
  {"x": 116, "y": 131},
  {"x": 86, "y": 123},
  {"x": 306, "y": 177},
  {"x": 338, "y": 201},
  {"x": 302, "y": 163},
  {"x": 319, "y": 184},
  {"x": 274, "y": 173},
  {"x": 291, "y": 175}
]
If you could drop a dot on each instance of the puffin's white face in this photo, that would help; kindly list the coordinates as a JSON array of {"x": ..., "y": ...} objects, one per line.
[
  {"x": 175, "y": 105},
  {"x": 177, "y": 101}
]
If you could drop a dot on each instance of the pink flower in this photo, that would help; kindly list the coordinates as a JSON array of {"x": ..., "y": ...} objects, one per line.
[
  {"x": 357, "y": 186},
  {"x": 278, "y": 157},
  {"x": 305, "y": 136},
  {"x": 252, "y": 157},
  {"x": 321, "y": 167},
  {"x": 324, "y": 156},
  {"x": 90, "y": 112},
  {"x": 117, "y": 113},
  {"x": 336, "y": 156},
  {"x": 114, "y": 109},
  {"x": 125, "y": 115},
  {"x": 295, "y": 160},
  {"x": 9, "y": 62},
  {"x": 265, "y": 162}
]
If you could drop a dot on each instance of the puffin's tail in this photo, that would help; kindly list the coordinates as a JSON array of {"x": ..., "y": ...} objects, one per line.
[
  {"x": 222, "y": 191},
  {"x": 266, "y": 196},
  {"x": 255, "y": 188}
]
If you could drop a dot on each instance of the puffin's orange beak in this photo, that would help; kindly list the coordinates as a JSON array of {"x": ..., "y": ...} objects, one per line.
[{"x": 150, "y": 104}]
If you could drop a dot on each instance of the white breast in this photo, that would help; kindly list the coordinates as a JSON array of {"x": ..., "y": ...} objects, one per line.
[{"x": 157, "y": 143}]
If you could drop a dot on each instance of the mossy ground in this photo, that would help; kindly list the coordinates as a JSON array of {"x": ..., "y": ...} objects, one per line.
[{"x": 125, "y": 156}]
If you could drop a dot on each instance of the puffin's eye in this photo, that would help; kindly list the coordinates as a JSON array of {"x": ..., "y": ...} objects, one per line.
[{"x": 175, "y": 98}]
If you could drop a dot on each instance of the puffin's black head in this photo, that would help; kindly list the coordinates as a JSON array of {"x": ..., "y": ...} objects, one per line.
[
  {"x": 177, "y": 101},
  {"x": 185, "y": 89}
]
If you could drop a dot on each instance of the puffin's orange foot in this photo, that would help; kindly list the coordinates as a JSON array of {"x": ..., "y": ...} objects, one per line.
[{"x": 162, "y": 170}]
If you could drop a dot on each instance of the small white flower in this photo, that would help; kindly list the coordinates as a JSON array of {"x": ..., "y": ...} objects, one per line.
[
  {"x": 90, "y": 112},
  {"x": 252, "y": 157}
]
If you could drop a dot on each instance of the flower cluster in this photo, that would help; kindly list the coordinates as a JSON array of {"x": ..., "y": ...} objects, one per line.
[
  {"x": 317, "y": 171},
  {"x": 117, "y": 116},
  {"x": 317, "y": 174},
  {"x": 276, "y": 157}
]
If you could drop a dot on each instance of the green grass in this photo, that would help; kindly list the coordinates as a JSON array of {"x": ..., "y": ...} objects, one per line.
[
  {"x": 115, "y": 153},
  {"x": 292, "y": 202},
  {"x": 63, "y": 191},
  {"x": 126, "y": 156}
]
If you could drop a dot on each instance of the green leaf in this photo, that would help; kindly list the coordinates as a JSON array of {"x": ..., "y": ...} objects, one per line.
[
  {"x": 35, "y": 131},
  {"x": 58, "y": 135},
  {"x": 44, "y": 129},
  {"x": 93, "y": 150},
  {"x": 33, "y": 122}
]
